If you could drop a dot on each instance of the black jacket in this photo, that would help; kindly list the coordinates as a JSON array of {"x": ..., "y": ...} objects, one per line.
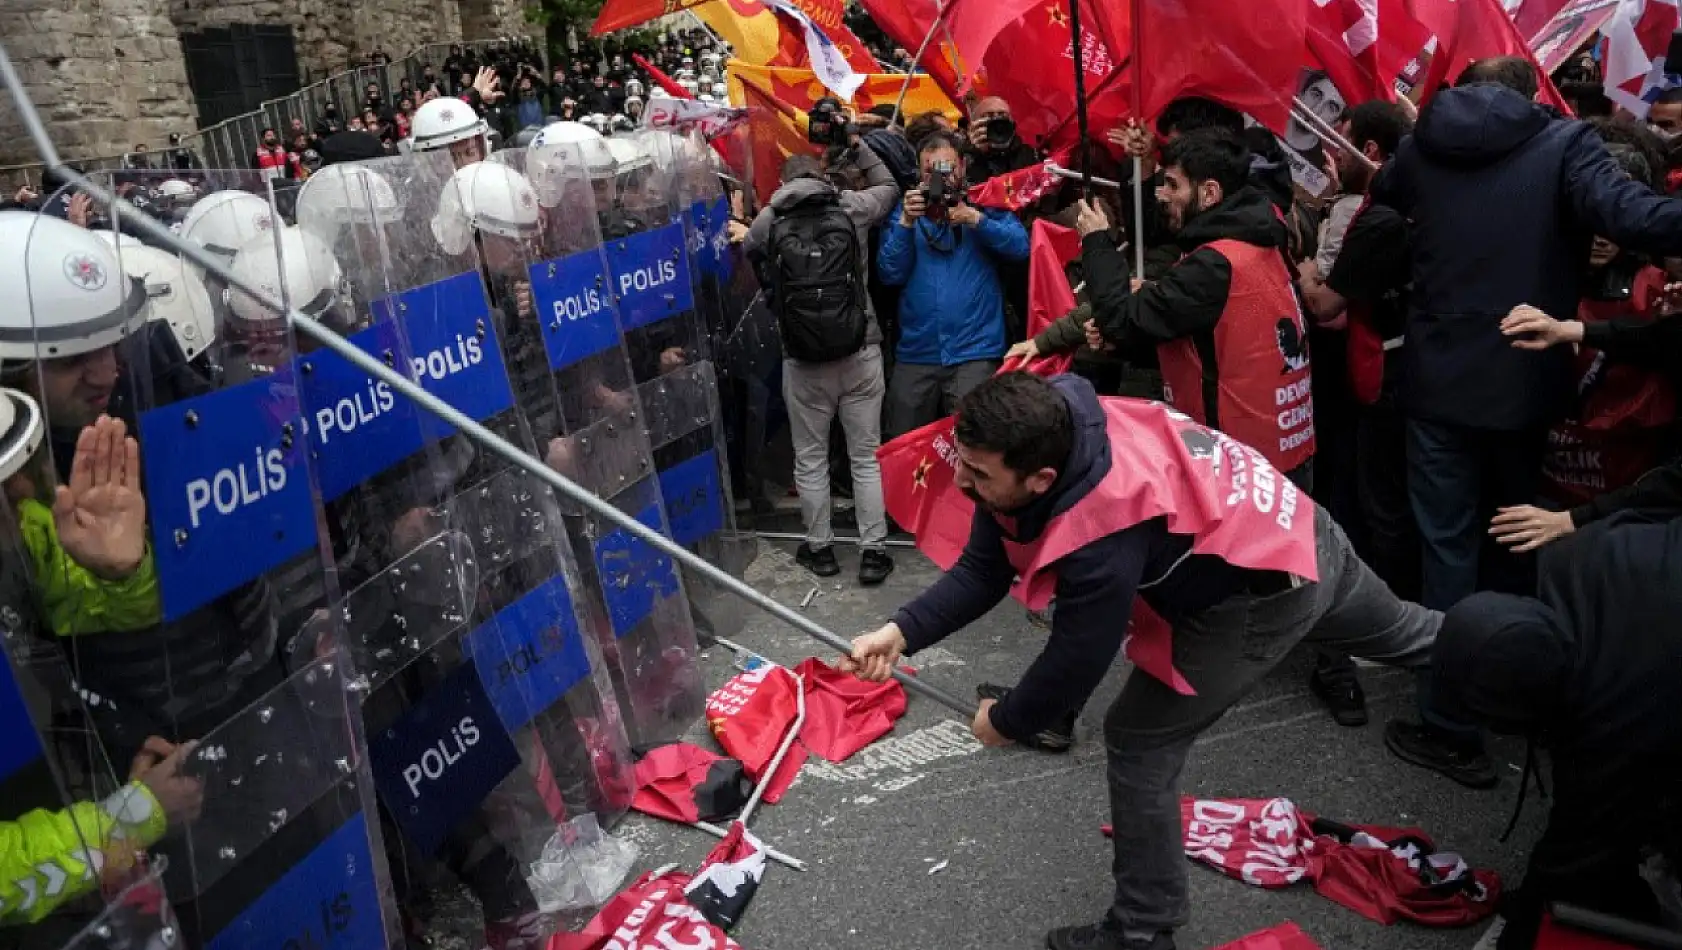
[
  {"x": 1188, "y": 299},
  {"x": 1504, "y": 196},
  {"x": 1592, "y": 671},
  {"x": 1095, "y": 585},
  {"x": 980, "y": 166}
]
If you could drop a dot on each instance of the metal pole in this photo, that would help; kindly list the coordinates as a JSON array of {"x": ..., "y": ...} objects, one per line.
[
  {"x": 1138, "y": 217},
  {"x": 782, "y": 749},
  {"x": 1302, "y": 113},
  {"x": 770, "y": 852},
  {"x": 839, "y": 539},
  {"x": 1062, "y": 172},
  {"x": 438, "y": 407},
  {"x": 917, "y": 60}
]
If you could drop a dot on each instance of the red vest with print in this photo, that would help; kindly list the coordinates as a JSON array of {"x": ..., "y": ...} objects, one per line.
[
  {"x": 1625, "y": 415},
  {"x": 1232, "y": 502},
  {"x": 1261, "y": 356}
]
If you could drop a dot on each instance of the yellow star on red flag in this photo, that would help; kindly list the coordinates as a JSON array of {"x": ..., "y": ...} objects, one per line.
[
  {"x": 1058, "y": 15},
  {"x": 920, "y": 478}
]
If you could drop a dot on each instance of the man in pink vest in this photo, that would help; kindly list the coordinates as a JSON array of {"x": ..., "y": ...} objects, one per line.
[{"x": 1120, "y": 507}]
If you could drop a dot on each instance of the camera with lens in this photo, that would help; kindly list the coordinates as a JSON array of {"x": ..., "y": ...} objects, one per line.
[
  {"x": 827, "y": 123},
  {"x": 941, "y": 193},
  {"x": 1000, "y": 131}
]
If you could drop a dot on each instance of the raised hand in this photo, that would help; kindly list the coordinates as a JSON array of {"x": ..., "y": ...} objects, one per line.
[{"x": 101, "y": 514}]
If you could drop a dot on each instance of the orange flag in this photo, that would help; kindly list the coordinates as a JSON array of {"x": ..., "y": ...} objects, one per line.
[{"x": 760, "y": 37}]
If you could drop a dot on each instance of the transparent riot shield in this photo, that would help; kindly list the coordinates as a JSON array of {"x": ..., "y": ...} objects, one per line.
[
  {"x": 594, "y": 432},
  {"x": 488, "y": 718},
  {"x": 671, "y": 350},
  {"x": 75, "y": 860},
  {"x": 167, "y": 592}
]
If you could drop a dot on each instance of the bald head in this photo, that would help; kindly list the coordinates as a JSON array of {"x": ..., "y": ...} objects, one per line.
[{"x": 990, "y": 107}]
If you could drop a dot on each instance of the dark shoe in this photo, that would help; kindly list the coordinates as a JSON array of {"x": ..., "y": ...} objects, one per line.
[
  {"x": 821, "y": 563},
  {"x": 1342, "y": 694},
  {"x": 1056, "y": 739},
  {"x": 1429, "y": 749},
  {"x": 1103, "y": 936},
  {"x": 874, "y": 567}
]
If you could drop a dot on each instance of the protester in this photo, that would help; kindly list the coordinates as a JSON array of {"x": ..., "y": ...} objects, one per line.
[
  {"x": 1058, "y": 511},
  {"x": 1590, "y": 670},
  {"x": 812, "y": 240},
  {"x": 951, "y": 313},
  {"x": 271, "y": 159},
  {"x": 1485, "y": 164}
]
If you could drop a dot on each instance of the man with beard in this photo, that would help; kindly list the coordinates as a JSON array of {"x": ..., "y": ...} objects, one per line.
[{"x": 1096, "y": 501}]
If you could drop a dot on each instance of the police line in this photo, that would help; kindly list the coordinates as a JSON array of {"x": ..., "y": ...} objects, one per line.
[{"x": 431, "y": 403}]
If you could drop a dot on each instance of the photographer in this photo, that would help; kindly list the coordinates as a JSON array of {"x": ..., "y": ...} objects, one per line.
[
  {"x": 993, "y": 147},
  {"x": 945, "y": 254},
  {"x": 810, "y": 246}
]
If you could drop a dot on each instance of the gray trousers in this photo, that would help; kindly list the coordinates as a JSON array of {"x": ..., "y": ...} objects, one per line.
[
  {"x": 816, "y": 393},
  {"x": 921, "y": 394},
  {"x": 1223, "y": 652}
]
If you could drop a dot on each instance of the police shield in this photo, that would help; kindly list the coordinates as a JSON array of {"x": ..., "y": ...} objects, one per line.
[
  {"x": 182, "y": 511},
  {"x": 671, "y": 351},
  {"x": 76, "y": 832},
  {"x": 488, "y": 720},
  {"x": 592, "y": 429}
]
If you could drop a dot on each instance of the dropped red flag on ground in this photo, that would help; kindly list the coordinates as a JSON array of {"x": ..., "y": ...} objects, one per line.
[
  {"x": 749, "y": 716},
  {"x": 844, "y": 713},
  {"x": 651, "y": 914},
  {"x": 728, "y": 878},
  {"x": 1285, "y": 936},
  {"x": 1384, "y": 874},
  {"x": 686, "y": 783}
]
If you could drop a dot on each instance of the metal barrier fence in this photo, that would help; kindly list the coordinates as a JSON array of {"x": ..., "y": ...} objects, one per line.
[{"x": 233, "y": 142}]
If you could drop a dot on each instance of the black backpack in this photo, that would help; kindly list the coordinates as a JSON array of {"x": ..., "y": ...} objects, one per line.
[{"x": 813, "y": 259}]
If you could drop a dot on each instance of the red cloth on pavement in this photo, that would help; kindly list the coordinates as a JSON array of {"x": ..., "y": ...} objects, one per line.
[
  {"x": 668, "y": 778},
  {"x": 1383, "y": 874},
  {"x": 844, "y": 713},
  {"x": 651, "y": 914},
  {"x": 750, "y": 715},
  {"x": 1285, "y": 936}
]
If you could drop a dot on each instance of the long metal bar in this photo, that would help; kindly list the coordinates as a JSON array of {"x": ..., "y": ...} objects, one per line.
[
  {"x": 770, "y": 852},
  {"x": 839, "y": 539},
  {"x": 917, "y": 60},
  {"x": 1062, "y": 172},
  {"x": 776, "y": 763},
  {"x": 438, "y": 407},
  {"x": 1302, "y": 113}
]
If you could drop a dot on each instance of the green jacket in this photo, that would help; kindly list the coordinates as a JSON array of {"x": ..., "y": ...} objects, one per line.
[
  {"x": 75, "y": 601},
  {"x": 1067, "y": 334},
  {"x": 49, "y": 858}
]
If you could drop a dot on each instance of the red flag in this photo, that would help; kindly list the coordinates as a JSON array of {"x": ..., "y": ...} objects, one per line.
[
  {"x": 907, "y": 22},
  {"x": 1532, "y": 15},
  {"x": 1555, "y": 936},
  {"x": 619, "y": 14},
  {"x": 1363, "y": 45},
  {"x": 1246, "y": 55},
  {"x": 1016, "y": 190},
  {"x": 1285, "y": 936},
  {"x": 649, "y": 915},
  {"x": 917, "y": 467},
  {"x": 1470, "y": 30},
  {"x": 727, "y": 878},
  {"x": 844, "y": 713},
  {"x": 686, "y": 783},
  {"x": 750, "y": 715},
  {"x": 661, "y": 79}
]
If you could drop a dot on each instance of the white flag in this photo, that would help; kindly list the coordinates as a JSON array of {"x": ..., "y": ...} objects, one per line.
[{"x": 830, "y": 66}]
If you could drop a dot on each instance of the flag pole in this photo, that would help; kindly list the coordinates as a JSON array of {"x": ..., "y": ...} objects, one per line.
[
  {"x": 917, "y": 60},
  {"x": 1080, "y": 98},
  {"x": 1137, "y": 11},
  {"x": 1302, "y": 113}
]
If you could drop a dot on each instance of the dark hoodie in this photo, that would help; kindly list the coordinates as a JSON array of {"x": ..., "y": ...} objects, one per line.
[
  {"x": 1095, "y": 585},
  {"x": 1504, "y": 197},
  {"x": 1591, "y": 671}
]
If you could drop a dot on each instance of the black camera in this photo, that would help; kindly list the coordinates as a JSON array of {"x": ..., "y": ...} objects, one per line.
[
  {"x": 827, "y": 123},
  {"x": 941, "y": 194},
  {"x": 1000, "y": 131}
]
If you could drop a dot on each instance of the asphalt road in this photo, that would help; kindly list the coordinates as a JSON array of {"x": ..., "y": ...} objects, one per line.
[{"x": 929, "y": 840}]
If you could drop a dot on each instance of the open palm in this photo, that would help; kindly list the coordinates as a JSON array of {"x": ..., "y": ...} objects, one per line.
[{"x": 101, "y": 514}]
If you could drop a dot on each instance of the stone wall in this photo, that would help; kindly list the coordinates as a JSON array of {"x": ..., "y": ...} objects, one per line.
[{"x": 109, "y": 73}]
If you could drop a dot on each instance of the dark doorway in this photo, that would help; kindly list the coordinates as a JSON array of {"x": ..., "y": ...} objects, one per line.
[{"x": 234, "y": 70}]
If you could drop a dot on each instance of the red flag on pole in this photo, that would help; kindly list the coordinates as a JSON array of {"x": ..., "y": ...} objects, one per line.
[
  {"x": 661, "y": 79},
  {"x": 1245, "y": 55},
  {"x": 619, "y": 14},
  {"x": 1016, "y": 190},
  {"x": 1363, "y": 45},
  {"x": 1470, "y": 30}
]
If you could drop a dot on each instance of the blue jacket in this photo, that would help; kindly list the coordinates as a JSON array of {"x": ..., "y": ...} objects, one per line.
[
  {"x": 953, "y": 308},
  {"x": 1504, "y": 197}
]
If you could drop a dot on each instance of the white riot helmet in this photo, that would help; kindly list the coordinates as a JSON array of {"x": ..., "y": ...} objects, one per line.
[
  {"x": 177, "y": 295},
  {"x": 346, "y": 193},
  {"x": 689, "y": 85},
  {"x": 489, "y": 197},
  {"x": 659, "y": 93},
  {"x": 293, "y": 266},
  {"x": 443, "y": 122},
  {"x": 706, "y": 97},
  {"x": 222, "y": 222},
  {"x": 597, "y": 121},
  {"x": 76, "y": 297},
  {"x": 581, "y": 143},
  {"x": 633, "y": 88},
  {"x": 21, "y": 431},
  {"x": 177, "y": 195}
]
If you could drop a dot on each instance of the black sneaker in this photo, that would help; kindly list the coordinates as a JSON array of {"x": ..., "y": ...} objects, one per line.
[
  {"x": 821, "y": 563},
  {"x": 1429, "y": 749},
  {"x": 1342, "y": 694},
  {"x": 1056, "y": 739},
  {"x": 874, "y": 567},
  {"x": 1103, "y": 936}
]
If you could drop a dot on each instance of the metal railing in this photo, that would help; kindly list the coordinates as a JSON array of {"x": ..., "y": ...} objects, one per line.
[{"x": 232, "y": 143}]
